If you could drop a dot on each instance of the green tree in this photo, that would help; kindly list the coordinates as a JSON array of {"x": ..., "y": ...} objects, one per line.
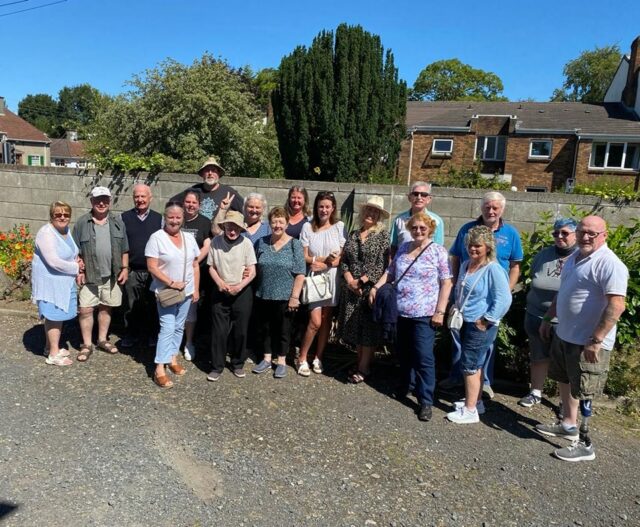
[
  {"x": 339, "y": 108},
  {"x": 452, "y": 80},
  {"x": 78, "y": 107},
  {"x": 41, "y": 110},
  {"x": 176, "y": 115},
  {"x": 588, "y": 76}
]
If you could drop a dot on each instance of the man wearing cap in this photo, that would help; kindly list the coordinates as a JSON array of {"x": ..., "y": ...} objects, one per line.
[
  {"x": 419, "y": 197},
  {"x": 215, "y": 195},
  {"x": 232, "y": 265},
  {"x": 589, "y": 303},
  {"x": 102, "y": 239},
  {"x": 140, "y": 223}
]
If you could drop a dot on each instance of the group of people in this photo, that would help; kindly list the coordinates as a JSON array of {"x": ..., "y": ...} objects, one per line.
[{"x": 215, "y": 257}]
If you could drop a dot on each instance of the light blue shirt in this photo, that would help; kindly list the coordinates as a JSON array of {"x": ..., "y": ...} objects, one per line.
[
  {"x": 400, "y": 234},
  {"x": 490, "y": 297}
]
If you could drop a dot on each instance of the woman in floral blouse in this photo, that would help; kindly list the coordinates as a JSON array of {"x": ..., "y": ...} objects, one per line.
[
  {"x": 422, "y": 295},
  {"x": 366, "y": 255}
]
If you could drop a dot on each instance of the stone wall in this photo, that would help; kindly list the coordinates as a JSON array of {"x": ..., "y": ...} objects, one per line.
[{"x": 26, "y": 192}]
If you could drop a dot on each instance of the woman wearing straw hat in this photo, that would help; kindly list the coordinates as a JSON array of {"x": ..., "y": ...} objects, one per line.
[
  {"x": 365, "y": 257},
  {"x": 230, "y": 255}
]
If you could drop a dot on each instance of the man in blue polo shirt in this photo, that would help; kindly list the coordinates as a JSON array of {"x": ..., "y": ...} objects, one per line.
[{"x": 509, "y": 255}]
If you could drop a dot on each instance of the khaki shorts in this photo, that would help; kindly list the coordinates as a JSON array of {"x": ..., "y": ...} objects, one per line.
[
  {"x": 107, "y": 293},
  {"x": 587, "y": 379}
]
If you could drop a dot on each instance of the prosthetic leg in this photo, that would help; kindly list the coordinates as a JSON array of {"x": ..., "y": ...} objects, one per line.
[{"x": 585, "y": 412}]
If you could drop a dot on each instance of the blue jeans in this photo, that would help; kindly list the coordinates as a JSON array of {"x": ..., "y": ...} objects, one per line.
[
  {"x": 456, "y": 354},
  {"x": 172, "y": 321},
  {"x": 414, "y": 345}
]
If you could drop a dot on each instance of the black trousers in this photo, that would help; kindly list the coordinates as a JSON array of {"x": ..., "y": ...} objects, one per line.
[
  {"x": 229, "y": 326},
  {"x": 274, "y": 327},
  {"x": 141, "y": 317}
]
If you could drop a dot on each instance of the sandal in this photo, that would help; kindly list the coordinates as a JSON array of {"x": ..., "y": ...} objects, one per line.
[
  {"x": 177, "y": 369},
  {"x": 163, "y": 381},
  {"x": 61, "y": 352},
  {"x": 59, "y": 360},
  {"x": 105, "y": 345},
  {"x": 85, "y": 352},
  {"x": 357, "y": 377}
]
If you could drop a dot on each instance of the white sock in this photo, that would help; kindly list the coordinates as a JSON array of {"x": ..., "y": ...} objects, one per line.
[{"x": 568, "y": 427}]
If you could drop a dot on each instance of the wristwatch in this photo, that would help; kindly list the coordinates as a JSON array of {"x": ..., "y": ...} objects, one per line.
[{"x": 594, "y": 340}]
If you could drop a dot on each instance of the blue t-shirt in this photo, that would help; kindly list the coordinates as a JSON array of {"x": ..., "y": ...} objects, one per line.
[
  {"x": 508, "y": 244},
  {"x": 263, "y": 230},
  {"x": 277, "y": 270}
]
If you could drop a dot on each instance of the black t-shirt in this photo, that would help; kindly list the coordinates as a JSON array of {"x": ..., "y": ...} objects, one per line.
[
  {"x": 200, "y": 227},
  {"x": 210, "y": 201}
]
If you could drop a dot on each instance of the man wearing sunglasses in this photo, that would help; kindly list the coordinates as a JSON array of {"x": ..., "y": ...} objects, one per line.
[
  {"x": 589, "y": 303},
  {"x": 419, "y": 197}
]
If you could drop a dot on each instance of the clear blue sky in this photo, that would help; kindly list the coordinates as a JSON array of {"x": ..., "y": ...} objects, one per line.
[{"x": 104, "y": 43}]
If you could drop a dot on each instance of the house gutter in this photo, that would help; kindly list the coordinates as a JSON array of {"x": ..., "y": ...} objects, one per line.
[
  {"x": 546, "y": 131},
  {"x": 611, "y": 137},
  {"x": 419, "y": 128}
]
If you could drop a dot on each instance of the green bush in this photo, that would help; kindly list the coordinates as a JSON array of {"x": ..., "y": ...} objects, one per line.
[
  {"x": 609, "y": 188},
  {"x": 471, "y": 178}
]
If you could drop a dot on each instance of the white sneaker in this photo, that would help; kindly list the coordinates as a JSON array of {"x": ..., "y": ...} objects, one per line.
[
  {"x": 317, "y": 365},
  {"x": 189, "y": 351},
  {"x": 479, "y": 406},
  {"x": 303, "y": 369},
  {"x": 463, "y": 416}
]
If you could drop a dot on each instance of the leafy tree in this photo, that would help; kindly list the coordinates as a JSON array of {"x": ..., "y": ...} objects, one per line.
[
  {"x": 452, "y": 80},
  {"x": 588, "y": 76},
  {"x": 41, "y": 110},
  {"x": 78, "y": 107},
  {"x": 176, "y": 115},
  {"x": 339, "y": 108}
]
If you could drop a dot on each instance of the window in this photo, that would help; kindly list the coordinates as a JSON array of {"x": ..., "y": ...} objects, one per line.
[
  {"x": 491, "y": 148},
  {"x": 615, "y": 155},
  {"x": 35, "y": 160},
  {"x": 442, "y": 146},
  {"x": 540, "y": 149}
]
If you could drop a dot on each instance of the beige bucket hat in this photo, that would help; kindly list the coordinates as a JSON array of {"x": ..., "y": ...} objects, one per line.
[
  {"x": 376, "y": 202},
  {"x": 235, "y": 217},
  {"x": 212, "y": 161}
]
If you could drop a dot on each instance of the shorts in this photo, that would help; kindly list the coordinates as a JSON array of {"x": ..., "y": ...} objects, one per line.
[
  {"x": 107, "y": 293},
  {"x": 586, "y": 379},
  {"x": 538, "y": 348},
  {"x": 54, "y": 313},
  {"x": 474, "y": 346}
]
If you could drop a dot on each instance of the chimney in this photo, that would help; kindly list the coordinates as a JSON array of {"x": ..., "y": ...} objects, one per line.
[
  {"x": 1, "y": 105},
  {"x": 71, "y": 135},
  {"x": 631, "y": 87}
]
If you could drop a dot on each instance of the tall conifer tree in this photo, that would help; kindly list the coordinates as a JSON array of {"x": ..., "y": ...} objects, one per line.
[{"x": 339, "y": 108}]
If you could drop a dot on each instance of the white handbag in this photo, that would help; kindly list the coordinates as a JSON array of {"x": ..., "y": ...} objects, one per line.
[
  {"x": 455, "y": 319},
  {"x": 317, "y": 287}
]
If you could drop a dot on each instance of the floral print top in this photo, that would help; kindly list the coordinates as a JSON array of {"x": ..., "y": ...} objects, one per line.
[{"x": 419, "y": 289}]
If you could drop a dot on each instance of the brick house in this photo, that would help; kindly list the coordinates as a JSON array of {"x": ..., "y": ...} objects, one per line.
[
  {"x": 537, "y": 146},
  {"x": 29, "y": 145},
  {"x": 69, "y": 151}
]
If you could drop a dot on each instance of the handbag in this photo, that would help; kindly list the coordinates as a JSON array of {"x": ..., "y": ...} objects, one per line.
[
  {"x": 317, "y": 287},
  {"x": 170, "y": 297},
  {"x": 455, "y": 318}
]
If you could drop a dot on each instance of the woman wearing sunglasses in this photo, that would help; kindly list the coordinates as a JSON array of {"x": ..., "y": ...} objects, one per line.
[
  {"x": 545, "y": 282},
  {"x": 53, "y": 279}
]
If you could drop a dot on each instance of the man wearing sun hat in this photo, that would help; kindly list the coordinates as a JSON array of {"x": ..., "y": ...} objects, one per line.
[
  {"x": 232, "y": 265},
  {"x": 215, "y": 195},
  {"x": 104, "y": 249}
]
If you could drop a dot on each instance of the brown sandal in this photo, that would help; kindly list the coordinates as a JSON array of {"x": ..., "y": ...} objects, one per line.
[
  {"x": 177, "y": 369},
  {"x": 105, "y": 345},
  {"x": 163, "y": 381},
  {"x": 84, "y": 352}
]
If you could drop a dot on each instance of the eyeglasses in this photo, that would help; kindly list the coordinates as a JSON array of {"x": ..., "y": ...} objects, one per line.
[
  {"x": 589, "y": 234},
  {"x": 59, "y": 215},
  {"x": 420, "y": 194},
  {"x": 561, "y": 234},
  {"x": 419, "y": 228}
]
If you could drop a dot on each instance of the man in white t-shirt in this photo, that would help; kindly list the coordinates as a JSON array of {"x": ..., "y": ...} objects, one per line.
[{"x": 591, "y": 299}]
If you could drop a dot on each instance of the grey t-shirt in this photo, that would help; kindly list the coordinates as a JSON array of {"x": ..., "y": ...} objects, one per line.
[
  {"x": 545, "y": 280},
  {"x": 103, "y": 249}
]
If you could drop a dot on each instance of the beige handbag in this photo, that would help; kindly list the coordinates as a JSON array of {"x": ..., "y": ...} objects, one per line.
[{"x": 170, "y": 297}]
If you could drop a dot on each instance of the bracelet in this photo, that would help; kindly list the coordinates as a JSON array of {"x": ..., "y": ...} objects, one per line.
[
  {"x": 313, "y": 259},
  {"x": 439, "y": 313},
  {"x": 546, "y": 318},
  {"x": 171, "y": 283}
]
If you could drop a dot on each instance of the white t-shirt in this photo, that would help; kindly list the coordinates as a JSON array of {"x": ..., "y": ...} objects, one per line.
[
  {"x": 171, "y": 259},
  {"x": 230, "y": 260},
  {"x": 582, "y": 297}
]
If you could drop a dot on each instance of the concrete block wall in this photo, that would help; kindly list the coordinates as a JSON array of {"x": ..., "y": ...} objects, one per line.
[{"x": 26, "y": 192}]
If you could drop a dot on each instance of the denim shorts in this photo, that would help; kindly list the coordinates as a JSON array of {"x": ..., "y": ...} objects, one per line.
[{"x": 475, "y": 345}]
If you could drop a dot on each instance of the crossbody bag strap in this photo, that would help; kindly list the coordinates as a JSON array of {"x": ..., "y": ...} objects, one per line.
[
  {"x": 474, "y": 284},
  {"x": 396, "y": 282},
  {"x": 184, "y": 248}
]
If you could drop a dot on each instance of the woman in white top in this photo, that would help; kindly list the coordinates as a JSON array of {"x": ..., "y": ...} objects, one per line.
[
  {"x": 172, "y": 260},
  {"x": 322, "y": 240},
  {"x": 53, "y": 279}
]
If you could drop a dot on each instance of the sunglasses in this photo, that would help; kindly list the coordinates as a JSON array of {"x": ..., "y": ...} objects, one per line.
[
  {"x": 59, "y": 215},
  {"x": 419, "y": 228},
  {"x": 420, "y": 194},
  {"x": 561, "y": 234},
  {"x": 591, "y": 235}
]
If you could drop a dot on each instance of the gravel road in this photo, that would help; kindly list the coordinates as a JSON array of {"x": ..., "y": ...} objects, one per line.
[{"x": 98, "y": 444}]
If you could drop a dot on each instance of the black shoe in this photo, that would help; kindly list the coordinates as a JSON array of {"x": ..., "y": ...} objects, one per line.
[{"x": 424, "y": 414}]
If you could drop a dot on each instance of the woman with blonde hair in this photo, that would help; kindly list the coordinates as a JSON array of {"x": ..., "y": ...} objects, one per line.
[
  {"x": 483, "y": 296},
  {"x": 55, "y": 267},
  {"x": 365, "y": 257}
]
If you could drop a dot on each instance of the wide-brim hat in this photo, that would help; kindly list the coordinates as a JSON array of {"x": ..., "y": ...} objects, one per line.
[
  {"x": 212, "y": 161},
  {"x": 376, "y": 202},
  {"x": 235, "y": 217}
]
